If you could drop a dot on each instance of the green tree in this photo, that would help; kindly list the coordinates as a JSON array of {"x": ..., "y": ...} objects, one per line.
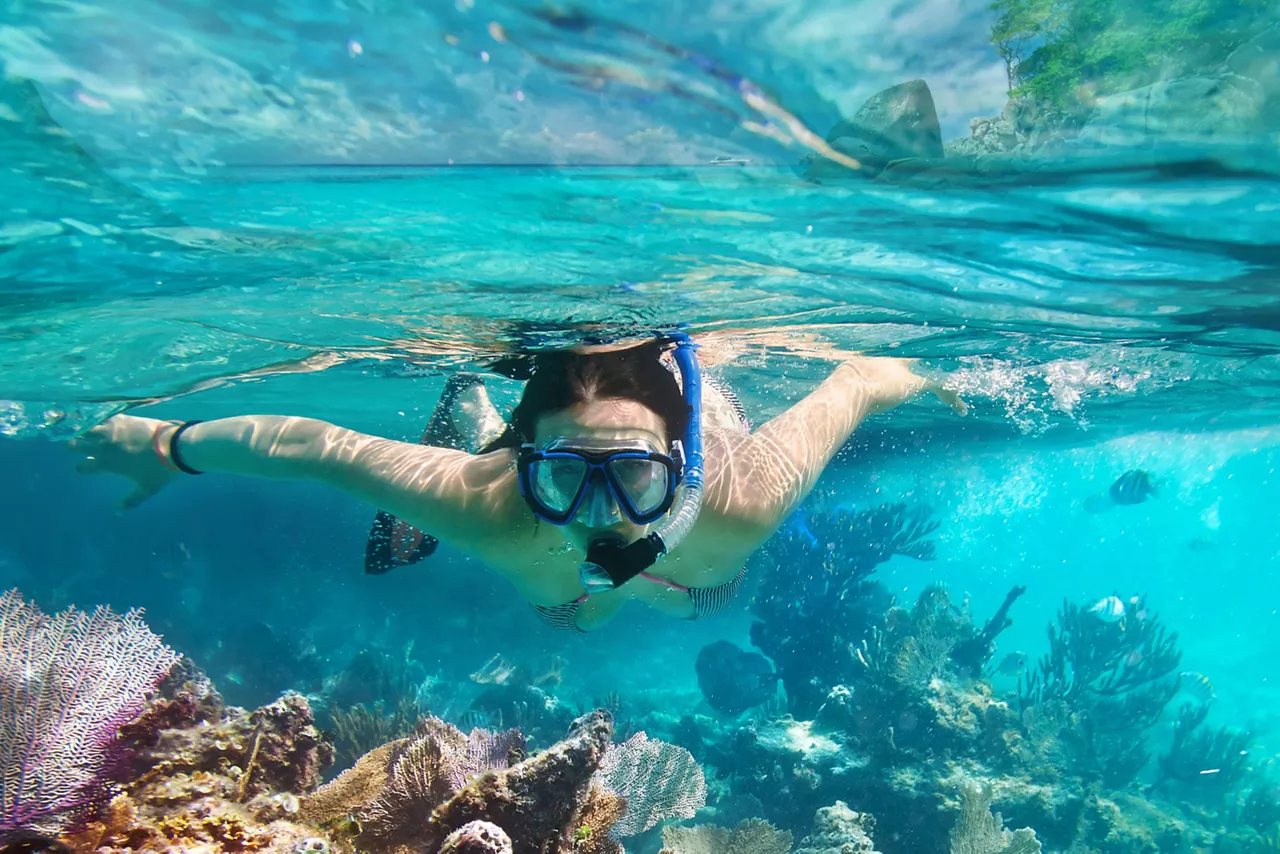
[{"x": 1068, "y": 52}]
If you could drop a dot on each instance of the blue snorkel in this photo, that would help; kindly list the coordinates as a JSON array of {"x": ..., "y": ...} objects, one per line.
[{"x": 609, "y": 565}]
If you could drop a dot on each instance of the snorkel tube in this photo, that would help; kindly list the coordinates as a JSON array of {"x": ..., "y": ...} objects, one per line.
[{"x": 609, "y": 565}]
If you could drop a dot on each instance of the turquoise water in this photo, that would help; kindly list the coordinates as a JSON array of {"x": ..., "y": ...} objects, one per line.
[{"x": 203, "y": 218}]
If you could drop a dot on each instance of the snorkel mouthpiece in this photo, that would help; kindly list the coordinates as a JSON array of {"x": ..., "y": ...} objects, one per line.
[{"x": 609, "y": 564}]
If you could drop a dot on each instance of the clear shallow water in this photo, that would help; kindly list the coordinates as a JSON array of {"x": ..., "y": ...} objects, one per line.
[
  {"x": 164, "y": 249},
  {"x": 1048, "y": 294}
]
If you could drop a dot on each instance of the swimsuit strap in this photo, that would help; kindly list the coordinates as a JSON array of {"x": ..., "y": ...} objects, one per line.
[
  {"x": 562, "y": 616},
  {"x": 709, "y": 601},
  {"x": 665, "y": 582}
]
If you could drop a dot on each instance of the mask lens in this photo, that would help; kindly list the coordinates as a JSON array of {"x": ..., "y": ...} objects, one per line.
[
  {"x": 644, "y": 482},
  {"x": 556, "y": 482}
]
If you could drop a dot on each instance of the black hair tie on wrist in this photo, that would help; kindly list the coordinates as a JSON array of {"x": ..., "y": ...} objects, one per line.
[{"x": 173, "y": 448}]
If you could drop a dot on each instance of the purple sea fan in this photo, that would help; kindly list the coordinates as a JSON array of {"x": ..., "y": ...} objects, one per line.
[{"x": 67, "y": 684}]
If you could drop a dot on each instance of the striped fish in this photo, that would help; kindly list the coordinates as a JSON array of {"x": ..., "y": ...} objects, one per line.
[
  {"x": 1133, "y": 487},
  {"x": 1196, "y": 685}
]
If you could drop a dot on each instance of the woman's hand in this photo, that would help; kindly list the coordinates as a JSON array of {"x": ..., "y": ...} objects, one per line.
[
  {"x": 126, "y": 445},
  {"x": 891, "y": 382}
]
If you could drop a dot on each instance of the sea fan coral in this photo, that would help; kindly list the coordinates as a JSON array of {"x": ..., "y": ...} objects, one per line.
[
  {"x": 659, "y": 781},
  {"x": 67, "y": 685},
  {"x": 751, "y": 836},
  {"x": 980, "y": 831}
]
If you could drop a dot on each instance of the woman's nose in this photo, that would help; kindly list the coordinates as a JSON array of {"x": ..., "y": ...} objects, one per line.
[{"x": 600, "y": 510}]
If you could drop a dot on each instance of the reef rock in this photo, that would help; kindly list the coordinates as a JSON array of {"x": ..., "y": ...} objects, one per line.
[
  {"x": 896, "y": 123},
  {"x": 420, "y": 792},
  {"x": 839, "y": 830},
  {"x": 213, "y": 786},
  {"x": 1024, "y": 127},
  {"x": 275, "y": 748},
  {"x": 535, "y": 800}
]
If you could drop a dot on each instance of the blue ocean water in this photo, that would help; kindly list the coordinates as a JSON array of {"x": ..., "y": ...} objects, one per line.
[{"x": 208, "y": 214}]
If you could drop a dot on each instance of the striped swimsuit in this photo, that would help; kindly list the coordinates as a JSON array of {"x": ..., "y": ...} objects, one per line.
[{"x": 707, "y": 601}]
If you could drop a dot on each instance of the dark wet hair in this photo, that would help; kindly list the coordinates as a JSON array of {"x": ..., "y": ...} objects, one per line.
[{"x": 561, "y": 379}]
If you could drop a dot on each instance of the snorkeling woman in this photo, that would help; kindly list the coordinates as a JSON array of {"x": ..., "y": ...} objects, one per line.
[{"x": 621, "y": 475}]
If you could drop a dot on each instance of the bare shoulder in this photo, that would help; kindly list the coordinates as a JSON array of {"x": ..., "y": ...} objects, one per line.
[{"x": 743, "y": 483}]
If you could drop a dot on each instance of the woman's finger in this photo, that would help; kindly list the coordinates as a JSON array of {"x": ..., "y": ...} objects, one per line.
[
  {"x": 136, "y": 497},
  {"x": 952, "y": 399}
]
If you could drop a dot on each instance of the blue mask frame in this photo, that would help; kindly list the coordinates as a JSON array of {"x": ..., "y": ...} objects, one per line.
[{"x": 598, "y": 473}]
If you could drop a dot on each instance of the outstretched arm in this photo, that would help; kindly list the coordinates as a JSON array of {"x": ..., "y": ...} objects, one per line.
[
  {"x": 771, "y": 471},
  {"x": 462, "y": 497}
]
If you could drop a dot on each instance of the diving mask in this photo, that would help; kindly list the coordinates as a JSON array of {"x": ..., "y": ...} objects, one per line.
[{"x": 556, "y": 480}]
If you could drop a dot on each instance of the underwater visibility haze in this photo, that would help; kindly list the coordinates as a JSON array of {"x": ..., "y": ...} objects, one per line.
[{"x": 1048, "y": 625}]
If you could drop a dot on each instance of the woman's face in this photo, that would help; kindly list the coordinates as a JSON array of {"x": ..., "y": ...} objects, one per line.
[{"x": 610, "y": 419}]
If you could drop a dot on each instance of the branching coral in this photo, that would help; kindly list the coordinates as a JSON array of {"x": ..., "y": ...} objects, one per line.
[
  {"x": 1116, "y": 677},
  {"x": 979, "y": 831},
  {"x": 973, "y": 654},
  {"x": 1207, "y": 761},
  {"x": 751, "y": 836},
  {"x": 816, "y": 594},
  {"x": 1092, "y": 661}
]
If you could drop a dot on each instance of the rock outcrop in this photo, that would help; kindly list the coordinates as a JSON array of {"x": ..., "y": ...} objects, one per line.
[{"x": 895, "y": 124}]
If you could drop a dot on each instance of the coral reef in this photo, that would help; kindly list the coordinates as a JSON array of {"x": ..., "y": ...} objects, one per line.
[
  {"x": 477, "y": 837},
  {"x": 839, "y": 830},
  {"x": 220, "y": 785},
  {"x": 658, "y": 781},
  {"x": 1112, "y": 679},
  {"x": 805, "y": 620},
  {"x": 418, "y": 791},
  {"x": 245, "y": 781},
  {"x": 915, "y": 735},
  {"x": 973, "y": 654},
  {"x": 67, "y": 685},
  {"x": 751, "y": 836},
  {"x": 518, "y": 695},
  {"x": 1206, "y": 762},
  {"x": 276, "y": 748},
  {"x": 980, "y": 831},
  {"x": 359, "y": 729},
  {"x": 390, "y": 792},
  {"x": 374, "y": 676}
]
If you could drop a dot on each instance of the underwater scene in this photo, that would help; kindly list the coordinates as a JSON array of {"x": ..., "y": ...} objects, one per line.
[{"x": 666, "y": 427}]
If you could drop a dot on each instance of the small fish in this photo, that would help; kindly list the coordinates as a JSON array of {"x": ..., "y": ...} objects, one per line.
[
  {"x": 1109, "y": 610},
  {"x": 1202, "y": 544},
  {"x": 1012, "y": 664},
  {"x": 1196, "y": 685},
  {"x": 1132, "y": 487},
  {"x": 473, "y": 719},
  {"x": 1133, "y": 659}
]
